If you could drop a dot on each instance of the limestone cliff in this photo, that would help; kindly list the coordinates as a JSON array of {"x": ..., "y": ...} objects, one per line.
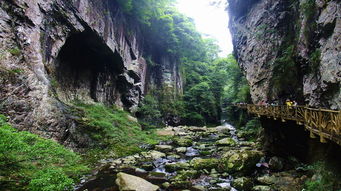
[
  {"x": 289, "y": 49},
  {"x": 55, "y": 52}
]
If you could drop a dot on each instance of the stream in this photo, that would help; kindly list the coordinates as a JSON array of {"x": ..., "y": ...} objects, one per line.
[{"x": 196, "y": 158}]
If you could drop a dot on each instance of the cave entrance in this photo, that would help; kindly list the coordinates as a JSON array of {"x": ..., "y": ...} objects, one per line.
[{"x": 87, "y": 69}]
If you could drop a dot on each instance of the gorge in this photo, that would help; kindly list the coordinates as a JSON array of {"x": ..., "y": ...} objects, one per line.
[{"x": 93, "y": 90}]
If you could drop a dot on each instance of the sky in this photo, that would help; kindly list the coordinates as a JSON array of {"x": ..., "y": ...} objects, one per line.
[{"x": 210, "y": 20}]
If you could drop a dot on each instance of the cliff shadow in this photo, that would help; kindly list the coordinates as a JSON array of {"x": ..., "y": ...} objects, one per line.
[{"x": 289, "y": 139}]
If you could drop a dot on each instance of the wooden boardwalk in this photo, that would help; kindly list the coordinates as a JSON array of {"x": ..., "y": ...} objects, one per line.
[{"x": 322, "y": 122}]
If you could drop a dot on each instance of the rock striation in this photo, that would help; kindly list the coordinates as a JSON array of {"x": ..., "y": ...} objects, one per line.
[
  {"x": 289, "y": 49},
  {"x": 55, "y": 52}
]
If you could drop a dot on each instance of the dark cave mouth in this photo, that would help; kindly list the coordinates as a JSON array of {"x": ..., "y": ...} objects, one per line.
[{"x": 87, "y": 67}]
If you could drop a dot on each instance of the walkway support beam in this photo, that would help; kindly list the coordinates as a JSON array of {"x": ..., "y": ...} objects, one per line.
[{"x": 322, "y": 122}]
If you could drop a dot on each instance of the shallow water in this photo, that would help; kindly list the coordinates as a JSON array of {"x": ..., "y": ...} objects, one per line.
[{"x": 105, "y": 178}]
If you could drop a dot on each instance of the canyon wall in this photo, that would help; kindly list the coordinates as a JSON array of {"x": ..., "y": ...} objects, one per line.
[
  {"x": 54, "y": 53},
  {"x": 289, "y": 49}
]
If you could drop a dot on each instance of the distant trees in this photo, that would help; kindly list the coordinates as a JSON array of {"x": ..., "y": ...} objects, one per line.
[{"x": 205, "y": 75}]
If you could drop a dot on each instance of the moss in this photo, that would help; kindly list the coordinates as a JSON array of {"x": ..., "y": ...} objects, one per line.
[
  {"x": 28, "y": 161},
  {"x": 314, "y": 61},
  {"x": 209, "y": 163},
  {"x": 285, "y": 77},
  {"x": 15, "y": 51},
  {"x": 114, "y": 133}
]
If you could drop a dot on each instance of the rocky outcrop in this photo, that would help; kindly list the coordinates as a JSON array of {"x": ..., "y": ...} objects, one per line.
[
  {"x": 53, "y": 53},
  {"x": 289, "y": 49}
]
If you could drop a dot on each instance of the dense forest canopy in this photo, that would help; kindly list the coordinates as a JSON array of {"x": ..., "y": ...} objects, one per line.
[{"x": 205, "y": 75}]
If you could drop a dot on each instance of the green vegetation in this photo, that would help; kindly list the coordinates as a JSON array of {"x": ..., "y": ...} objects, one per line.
[
  {"x": 308, "y": 7},
  {"x": 237, "y": 90},
  {"x": 113, "y": 132},
  {"x": 323, "y": 179},
  {"x": 314, "y": 61},
  {"x": 285, "y": 80},
  {"x": 15, "y": 51},
  {"x": 30, "y": 162}
]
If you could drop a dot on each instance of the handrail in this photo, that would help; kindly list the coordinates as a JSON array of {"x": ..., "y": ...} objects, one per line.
[{"x": 323, "y": 122}]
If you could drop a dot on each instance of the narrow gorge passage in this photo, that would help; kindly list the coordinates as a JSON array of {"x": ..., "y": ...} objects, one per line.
[{"x": 170, "y": 95}]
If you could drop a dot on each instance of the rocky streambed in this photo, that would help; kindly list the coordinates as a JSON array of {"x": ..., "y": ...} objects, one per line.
[{"x": 197, "y": 158}]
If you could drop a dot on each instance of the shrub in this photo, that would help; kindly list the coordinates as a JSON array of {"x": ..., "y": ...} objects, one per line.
[{"x": 323, "y": 178}]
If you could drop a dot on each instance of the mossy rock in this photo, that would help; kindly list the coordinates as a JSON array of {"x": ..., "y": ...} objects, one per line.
[
  {"x": 242, "y": 183},
  {"x": 240, "y": 161},
  {"x": 208, "y": 164},
  {"x": 226, "y": 142},
  {"x": 186, "y": 175},
  {"x": 180, "y": 184},
  {"x": 183, "y": 142},
  {"x": 262, "y": 188},
  {"x": 171, "y": 167}
]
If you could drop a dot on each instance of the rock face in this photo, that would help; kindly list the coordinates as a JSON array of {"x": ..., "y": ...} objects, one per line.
[
  {"x": 289, "y": 49},
  {"x": 55, "y": 52}
]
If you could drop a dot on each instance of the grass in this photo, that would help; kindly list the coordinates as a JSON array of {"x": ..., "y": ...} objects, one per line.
[
  {"x": 115, "y": 134},
  {"x": 29, "y": 162}
]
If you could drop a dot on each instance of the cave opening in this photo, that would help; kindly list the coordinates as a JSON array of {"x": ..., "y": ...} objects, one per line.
[{"x": 87, "y": 69}]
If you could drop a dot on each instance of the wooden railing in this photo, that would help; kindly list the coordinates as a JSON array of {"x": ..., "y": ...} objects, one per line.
[{"x": 322, "y": 122}]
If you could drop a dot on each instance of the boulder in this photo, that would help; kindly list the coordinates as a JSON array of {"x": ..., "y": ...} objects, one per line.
[
  {"x": 276, "y": 163},
  {"x": 226, "y": 142},
  {"x": 127, "y": 182},
  {"x": 242, "y": 183},
  {"x": 199, "y": 163},
  {"x": 181, "y": 150},
  {"x": 171, "y": 167},
  {"x": 163, "y": 148},
  {"x": 240, "y": 161},
  {"x": 183, "y": 142},
  {"x": 261, "y": 188},
  {"x": 153, "y": 155}
]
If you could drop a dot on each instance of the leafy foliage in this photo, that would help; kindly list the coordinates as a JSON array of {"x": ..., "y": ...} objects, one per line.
[
  {"x": 323, "y": 178},
  {"x": 236, "y": 90},
  {"x": 25, "y": 158}
]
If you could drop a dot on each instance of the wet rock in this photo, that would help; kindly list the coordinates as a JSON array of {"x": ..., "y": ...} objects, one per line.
[
  {"x": 173, "y": 156},
  {"x": 171, "y": 167},
  {"x": 276, "y": 163},
  {"x": 186, "y": 175},
  {"x": 198, "y": 188},
  {"x": 127, "y": 182},
  {"x": 180, "y": 184},
  {"x": 163, "y": 148},
  {"x": 266, "y": 179},
  {"x": 199, "y": 163},
  {"x": 153, "y": 155},
  {"x": 183, "y": 142},
  {"x": 241, "y": 161},
  {"x": 242, "y": 183},
  {"x": 225, "y": 129},
  {"x": 261, "y": 188},
  {"x": 226, "y": 142},
  {"x": 181, "y": 150},
  {"x": 165, "y": 185}
]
